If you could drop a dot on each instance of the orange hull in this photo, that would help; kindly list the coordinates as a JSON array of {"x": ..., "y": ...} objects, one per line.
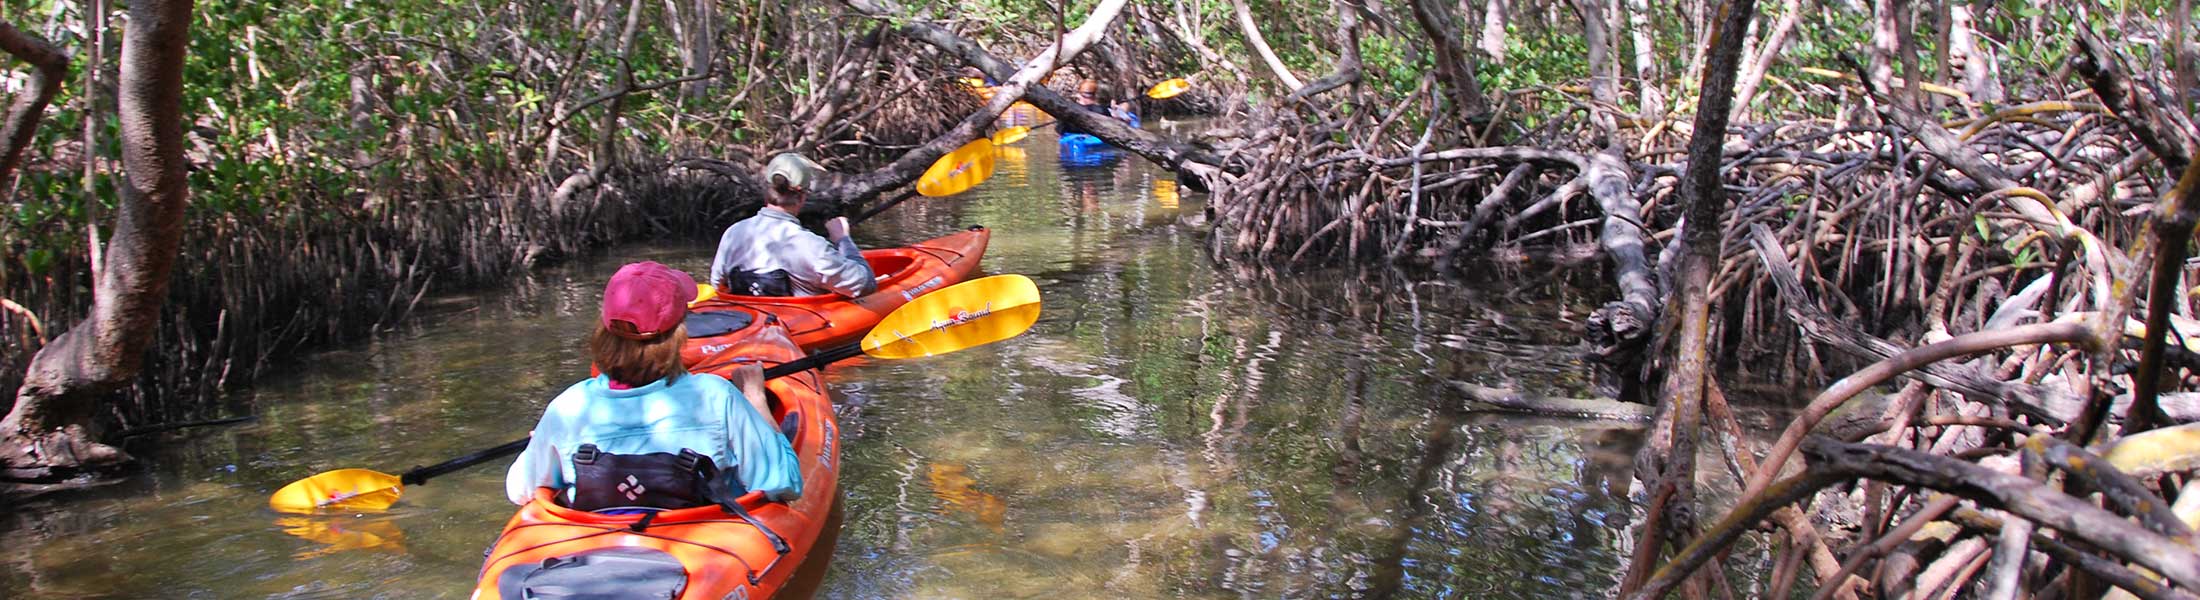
[
  {"x": 817, "y": 322},
  {"x": 722, "y": 556}
]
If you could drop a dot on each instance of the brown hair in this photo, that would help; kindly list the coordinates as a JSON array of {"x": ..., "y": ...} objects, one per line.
[
  {"x": 636, "y": 362},
  {"x": 778, "y": 192}
]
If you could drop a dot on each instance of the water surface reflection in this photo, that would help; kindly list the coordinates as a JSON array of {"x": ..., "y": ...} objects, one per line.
[{"x": 1169, "y": 428}]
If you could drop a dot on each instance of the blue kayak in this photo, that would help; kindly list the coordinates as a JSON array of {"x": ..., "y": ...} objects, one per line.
[{"x": 1081, "y": 141}]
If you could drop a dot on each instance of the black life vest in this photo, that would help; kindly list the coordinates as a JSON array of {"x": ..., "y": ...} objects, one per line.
[
  {"x": 770, "y": 283},
  {"x": 658, "y": 480}
]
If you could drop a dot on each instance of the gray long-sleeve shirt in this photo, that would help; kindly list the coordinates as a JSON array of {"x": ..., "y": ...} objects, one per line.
[{"x": 775, "y": 241}]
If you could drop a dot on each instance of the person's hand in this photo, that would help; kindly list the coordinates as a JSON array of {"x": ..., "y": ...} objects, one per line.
[
  {"x": 748, "y": 377},
  {"x": 836, "y": 228}
]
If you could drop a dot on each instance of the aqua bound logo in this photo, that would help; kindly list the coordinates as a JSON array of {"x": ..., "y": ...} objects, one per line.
[{"x": 961, "y": 316}]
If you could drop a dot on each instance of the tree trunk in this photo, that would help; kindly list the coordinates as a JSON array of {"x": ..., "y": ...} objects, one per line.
[
  {"x": 1668, "y": 458},
  {"x": 1260, "y": 46},
  {"x": 700, "y": 48},
  {"x": 1881, "y": 69},
  {"x": 1185, "y": 32},
  {"x": 1492, "y": 40},
  {"x": 1981, "y": 71},
  {"x": 1651, "y": 78},
  {"x": 48, "y": 66},
  {"x": 2181, "y": 55},
  {"x": 1452, "y": 63},
  {"x": 56, "y": 425},
  {"x": 1745, "y": 90},
  {"x": 1598, "y": 38}
]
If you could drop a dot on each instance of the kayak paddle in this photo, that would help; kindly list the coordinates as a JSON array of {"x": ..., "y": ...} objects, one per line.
[
  {"x": 1010, "y": 135},
  {"x": 968, "y": 314},
  {"x": 960, "y": 170},
  {"x": 1169, "y": 89}
]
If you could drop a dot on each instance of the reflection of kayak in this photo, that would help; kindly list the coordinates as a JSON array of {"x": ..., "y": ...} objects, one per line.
[
  {"x": 816, "y": 322},
  {"x": 550, "y": 551},
  {"x": 1082, "y": 150},
  {"x": 1085, "y": 150}
]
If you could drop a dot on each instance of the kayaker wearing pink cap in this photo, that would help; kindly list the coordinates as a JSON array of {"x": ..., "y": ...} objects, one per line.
[
  {"x": 770, "y": 254},
  {"x": 646, "y": 434}
]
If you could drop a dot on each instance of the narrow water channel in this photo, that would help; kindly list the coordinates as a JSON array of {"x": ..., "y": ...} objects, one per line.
[{"x": 1169, "y": 428}]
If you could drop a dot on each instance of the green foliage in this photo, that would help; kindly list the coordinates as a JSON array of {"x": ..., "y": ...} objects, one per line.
[
  {"x": 1393, "y": 66},
  {"x": 1536, "y": 58}
]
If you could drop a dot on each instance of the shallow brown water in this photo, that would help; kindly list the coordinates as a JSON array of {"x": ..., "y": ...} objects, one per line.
[{"x": 1170, "y": 427}]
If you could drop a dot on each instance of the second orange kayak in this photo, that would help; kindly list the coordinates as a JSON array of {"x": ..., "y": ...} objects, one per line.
[{"x": 817, "y": 322}]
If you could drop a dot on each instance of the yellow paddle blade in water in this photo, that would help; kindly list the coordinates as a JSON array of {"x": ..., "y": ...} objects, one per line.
[
  {"x": 959, "y": 170},
  {"x": 966, "y": 314},
  {"x": 341, "y": 489},
  {"x": 1010, "y": 135},
  {"x": 1169, "y": 89}
]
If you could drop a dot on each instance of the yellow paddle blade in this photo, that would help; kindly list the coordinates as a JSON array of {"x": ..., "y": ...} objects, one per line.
[
  {"x": 959, "y": 170},
  {"x": 341, "y": 489},
  {"x": 703, "y": 291},
  {"x": 974, "y": 82},
  {"x": 1010, "y": 135},
  {"x": 1169, "y": 89},
  {"x": 971, "y": 313}
]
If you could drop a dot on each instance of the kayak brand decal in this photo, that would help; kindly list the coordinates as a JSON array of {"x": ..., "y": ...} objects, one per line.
[
  {"x": 709, "y": 349},
  {"x": 912, "y": 293},
  {"x": 825, "y": 452},
  {"x": 961, "y": 316},
  {"x": 739, "y": 593}
]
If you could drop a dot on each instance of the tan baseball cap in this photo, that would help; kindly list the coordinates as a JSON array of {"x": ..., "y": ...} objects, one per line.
[{"x": 799, "y": 172}]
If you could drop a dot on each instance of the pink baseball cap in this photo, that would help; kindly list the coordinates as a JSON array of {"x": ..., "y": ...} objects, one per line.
[{"x": 651, "y": 297}]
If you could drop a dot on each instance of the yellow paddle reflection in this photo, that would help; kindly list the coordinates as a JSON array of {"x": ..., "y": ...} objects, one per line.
[
  {"x": 340, "y": 535},
  {"x": 1164, "y": 192},
  {"x": 958, "y": 492}
]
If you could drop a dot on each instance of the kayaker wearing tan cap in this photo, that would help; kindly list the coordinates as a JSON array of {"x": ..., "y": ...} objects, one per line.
[{"x": 771, "y": 254}]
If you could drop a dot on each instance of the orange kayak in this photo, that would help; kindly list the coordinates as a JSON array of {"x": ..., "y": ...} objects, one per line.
[
  {"x": 690, "y": 553},
  {"x": 816, "y": 322}
]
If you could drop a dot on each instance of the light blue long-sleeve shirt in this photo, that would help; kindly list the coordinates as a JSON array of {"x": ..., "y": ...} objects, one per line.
[
  {"x": 700, "y": 412},
  {"x": 775, "y": 241}
]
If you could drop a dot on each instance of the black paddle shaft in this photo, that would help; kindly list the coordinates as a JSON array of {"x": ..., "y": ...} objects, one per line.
[
  {"x": 421, "y": 475},
  {"x": 882, "y": 206}
]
